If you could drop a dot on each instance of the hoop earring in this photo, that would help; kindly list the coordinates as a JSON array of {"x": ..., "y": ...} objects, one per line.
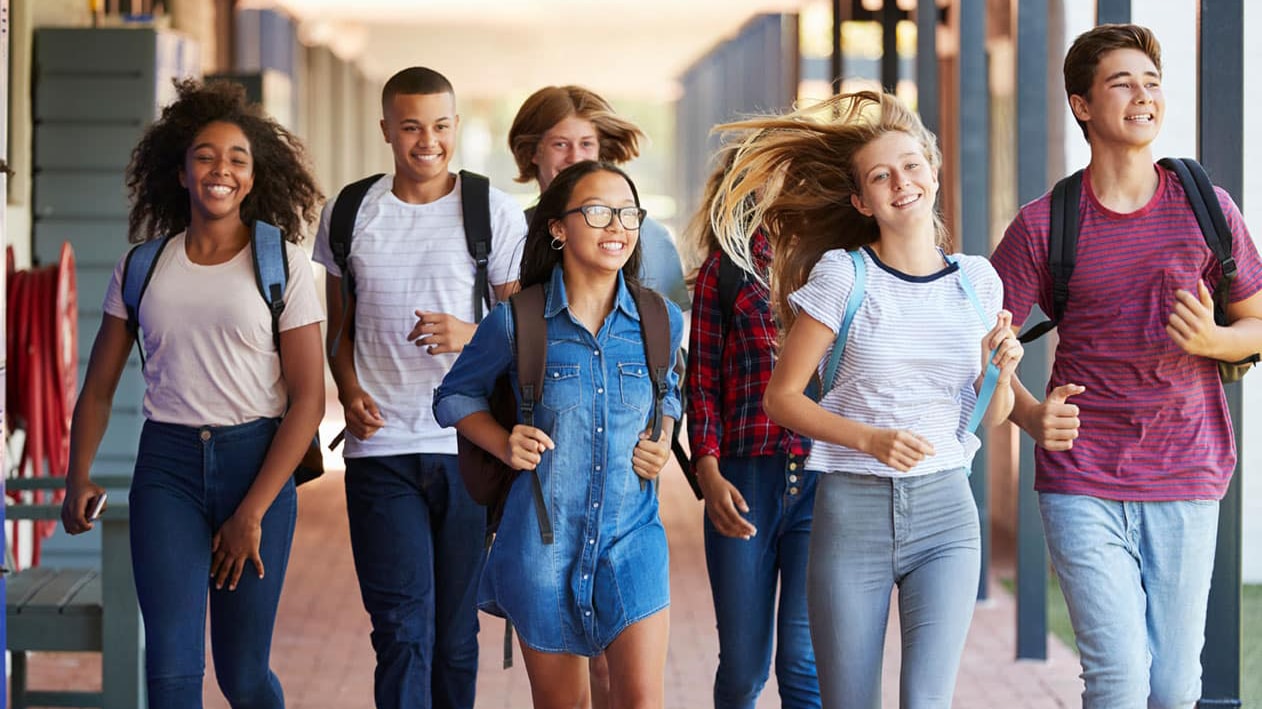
[{"x": 557, "y": 244}]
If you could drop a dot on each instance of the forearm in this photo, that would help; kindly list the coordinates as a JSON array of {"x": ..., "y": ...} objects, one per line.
[
  {"x": 798, "y": 413},
  {"x": 485, "y": 432},
  {"x": 288, "y": 446},
  {"x": 342, "y": 366},
  {"x": 87, "y": 428},
  {"x": 1023, "y": 406},
  {"x": 1001, "y": 405},
  {"x": 1241, "y": 339}
]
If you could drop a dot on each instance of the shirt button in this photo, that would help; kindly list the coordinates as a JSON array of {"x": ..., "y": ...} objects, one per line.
[
  {"x": 596, "y": 352},
  {"x": 793, "y": 478},
  {"x": 584, "y": 577},
  {"x": 205, "y": 435},
  {"x": 600, "y": 390},
  {"x": 600, "y": 429},
  {"x": 597, "y": 468},
  {"x": 556, "y": 375},
  {"x": 793, "y": 491},
  {"x": 595, "y": 505},
  {"x": 591, "y": 541},
  {"x": 587, "y": 613}
]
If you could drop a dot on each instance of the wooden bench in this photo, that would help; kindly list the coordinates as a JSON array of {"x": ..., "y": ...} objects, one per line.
[{"x": 78, "y": 610}]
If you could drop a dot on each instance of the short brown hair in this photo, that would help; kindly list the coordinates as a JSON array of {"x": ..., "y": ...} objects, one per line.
[
  {"x": 1085, "y": 53},
  {"x": 619, "y": 138}
]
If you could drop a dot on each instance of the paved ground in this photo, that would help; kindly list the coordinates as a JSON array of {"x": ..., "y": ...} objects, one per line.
[{"x": 322, "y": 655}]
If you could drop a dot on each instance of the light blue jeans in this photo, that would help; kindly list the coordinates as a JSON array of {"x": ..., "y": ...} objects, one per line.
[
  {"x": 870, "y": 534},
  {"x": 1136, "y": 579}
]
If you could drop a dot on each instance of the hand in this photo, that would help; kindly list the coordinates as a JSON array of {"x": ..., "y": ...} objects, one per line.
[
  {"x": 236, "y": 543},
  {"x": 650, "y": 456},
  {"x": 901, "y": 450},
  {"x": 1003, "y": 342},
  {"x": 441, "y": 333},
  {"x": 362, "y": 416},
  {"x": 79, "y": 500},
  {"x": 1191, "y": 324},
  {"x": 1054, "y": 425},
  {"x": 723, "y": 502},
  {"x": 526, "y": 445}
]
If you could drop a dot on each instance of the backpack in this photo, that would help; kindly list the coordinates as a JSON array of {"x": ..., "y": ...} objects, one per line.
[
  {"x": 1062, "y": 246},
  {"x": 475, "y": 205},
  {"x": 485, "y": 476},
  {"x": 271, "y": 274}
]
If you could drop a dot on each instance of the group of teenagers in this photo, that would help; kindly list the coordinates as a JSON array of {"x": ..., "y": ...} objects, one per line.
[{"x": 832, "y": 394}]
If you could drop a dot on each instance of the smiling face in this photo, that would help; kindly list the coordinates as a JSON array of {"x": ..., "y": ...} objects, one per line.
[
  {"x": 897, "y": 183},
  {"x": 1125, "y": 104},
  {"x": 421, "y": 131},
  {"x": 218, "y": 171},
  {"x": 604, "y": 250},
  {"x": 572, "y": 140}
]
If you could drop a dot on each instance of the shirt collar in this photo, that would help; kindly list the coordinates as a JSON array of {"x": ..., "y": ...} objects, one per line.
[{"x": 559, "y": 300}]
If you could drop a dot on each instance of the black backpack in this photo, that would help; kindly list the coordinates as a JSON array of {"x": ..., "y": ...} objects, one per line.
[{"x": 1062, "y": 247}]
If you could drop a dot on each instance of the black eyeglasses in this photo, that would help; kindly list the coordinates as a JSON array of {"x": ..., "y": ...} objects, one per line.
[{"x": 599, "y": 216}]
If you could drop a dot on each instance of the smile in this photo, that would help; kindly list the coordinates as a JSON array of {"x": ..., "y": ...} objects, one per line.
[
  {"x": 909, "y": 199},
  {"x": 613, "y": 247},
  {"x": 219, "y": 190},
  {"x": 1141, "y": 118}
]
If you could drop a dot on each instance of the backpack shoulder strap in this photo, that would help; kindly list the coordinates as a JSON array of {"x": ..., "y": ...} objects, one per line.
[
  {"x": 853, "y": 304},
  {"x": 990, "y": 381},
  {"x": 531, "y": 338},
  {"x": 1209, "y": 213},
  {"x": 137, "y": 271},
  {"x": 475, "y": 204},
  {"x": 1062, "y": 250},
  {"x": 655, "y": 331},
  {"x": 342, "y": 221},
  {"x": 731, "y": 279},
  {"x": 271, "y": 271}
]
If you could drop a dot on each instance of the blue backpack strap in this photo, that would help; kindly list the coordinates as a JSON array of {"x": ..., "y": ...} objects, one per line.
[
  {"x": 991, "y": 381},
  {"x": 852, "y": 306},
  {"x": 137, "y": 271},
  {"x": 271, "y": 271}
]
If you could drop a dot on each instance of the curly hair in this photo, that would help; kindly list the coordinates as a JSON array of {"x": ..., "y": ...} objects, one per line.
[
  {"x": 619, "y": 138},
  {"x": 794, "y": 174},
  {"x": 284, "y": 194},
  {"x": 538, "y": 257}
]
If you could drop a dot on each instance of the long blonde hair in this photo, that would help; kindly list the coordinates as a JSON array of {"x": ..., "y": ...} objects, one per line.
[
  {"x": 794, "y": 174},
  {"x": 699, "y": 239}
]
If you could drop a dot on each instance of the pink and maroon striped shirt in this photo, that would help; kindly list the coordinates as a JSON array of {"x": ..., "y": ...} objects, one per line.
[{"x": 1154, "y": 419}]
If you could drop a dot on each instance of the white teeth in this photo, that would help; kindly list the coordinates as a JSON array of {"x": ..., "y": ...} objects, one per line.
[
  {"x": 1146, "y": 117},
  {"x": 906, "y": 201},
  {"x": 427, "y": 158},
  {"x": 614, "y": 246},
  {"x": 220, "y": 190}
]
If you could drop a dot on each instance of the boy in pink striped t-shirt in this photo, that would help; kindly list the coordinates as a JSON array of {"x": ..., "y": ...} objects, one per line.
[{"x": 1129, "y": 475}]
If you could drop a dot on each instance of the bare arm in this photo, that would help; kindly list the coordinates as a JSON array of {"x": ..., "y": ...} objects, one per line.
[
  {"x": 442, "y": 333},
  {"x": 522, "y": 449},
  {"x": 1191, "y": 325},
  {"x": 362, "y": 416},
  {"x": 91, "y": 418}
]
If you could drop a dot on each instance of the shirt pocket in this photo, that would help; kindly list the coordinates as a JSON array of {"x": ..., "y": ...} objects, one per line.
[
  {"x": 562, "y": 388},
  {"x": 635, "y": 385}
]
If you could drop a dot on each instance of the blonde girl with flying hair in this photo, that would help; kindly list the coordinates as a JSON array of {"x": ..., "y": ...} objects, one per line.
[{"x": 846, "y": 192}]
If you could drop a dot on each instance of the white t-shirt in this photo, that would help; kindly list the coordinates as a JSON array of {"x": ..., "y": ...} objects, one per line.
[
  {"x": 210, "y": 357},
  {"x": 911, "y": 357},
  {"x": 409, "y": 257}
]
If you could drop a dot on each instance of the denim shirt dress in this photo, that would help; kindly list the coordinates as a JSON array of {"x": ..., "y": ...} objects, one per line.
[{"x": 607, "y": 567}]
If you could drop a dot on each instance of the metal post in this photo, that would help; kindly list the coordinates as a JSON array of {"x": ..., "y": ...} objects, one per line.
[
  {"x": 927, "y": 63},
  {"x": 1032, "y": 142},
  {"x": 889, "y": 45},
  {"x": 974, "y": 191},
  {"x": 1220, "y": 143},
  {"x": 834, "y": 61},
  {"x": 1112, "y": 11}
]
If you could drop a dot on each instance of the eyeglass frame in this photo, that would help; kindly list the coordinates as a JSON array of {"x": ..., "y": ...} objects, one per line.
[{"x": 612, "y": 211}]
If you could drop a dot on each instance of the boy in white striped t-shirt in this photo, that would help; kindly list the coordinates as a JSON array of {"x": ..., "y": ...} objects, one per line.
[{"x": 416, "y": 534}]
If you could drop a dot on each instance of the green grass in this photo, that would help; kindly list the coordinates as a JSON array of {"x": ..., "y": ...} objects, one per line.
[{"x": 1251, "y": 613}]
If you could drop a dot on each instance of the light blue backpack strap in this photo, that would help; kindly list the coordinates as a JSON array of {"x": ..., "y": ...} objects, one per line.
[
  {"x": 271, "y": 271},
  {"x": 852, "y": 306},
  {"x": 137, "y": 270},
  {"x": 991, "y": 380}
]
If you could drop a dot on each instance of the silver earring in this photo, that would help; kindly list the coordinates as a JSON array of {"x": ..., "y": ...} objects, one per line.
[{"x": 557, "y": 243}]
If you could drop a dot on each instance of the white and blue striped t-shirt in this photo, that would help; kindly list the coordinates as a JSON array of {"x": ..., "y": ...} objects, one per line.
[
  {"x": 409, "y": 257},
  {"x": 911, "y": 357}
]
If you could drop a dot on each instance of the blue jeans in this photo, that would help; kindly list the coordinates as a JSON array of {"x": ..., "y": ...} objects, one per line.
[
  {"x": 744, "y": 575},
  {"x": 1136, "y": 579},
  {"x": 188, "y": 482},
  {"x": 871, "y": 533},
  {"x": 417, "y": 538}
]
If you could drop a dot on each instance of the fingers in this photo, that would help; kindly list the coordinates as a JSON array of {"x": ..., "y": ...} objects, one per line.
[
  {"x": 440, "y": 333},
  {"x": 1063, "y": 392},
  {"x": 1059, "y": 422},
  {"x": 724, "y": 510},
  {"x": 1001, "y": 330},
  {"x": 526, "y": 446},
  {"x": 363, "y": 418},
  {"x": 907, "y": 450}
]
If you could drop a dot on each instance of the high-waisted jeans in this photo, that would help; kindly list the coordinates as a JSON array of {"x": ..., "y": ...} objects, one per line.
[{"x": 188, "y": 482}]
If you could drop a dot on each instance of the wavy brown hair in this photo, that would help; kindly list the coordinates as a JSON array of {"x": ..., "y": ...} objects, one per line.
[
  {"x": 1084, "y": 55},
  {"x": 794, "y": 174},
  {"x": 538, "y": 257},
  {"x": 284, "y": 194},
  {"x": 619, "y": 138}
]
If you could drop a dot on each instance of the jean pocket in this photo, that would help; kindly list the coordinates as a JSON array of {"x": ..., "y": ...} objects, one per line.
[
  {"x": 635, "y": 385},
  {"x": 562, "y": 388}
]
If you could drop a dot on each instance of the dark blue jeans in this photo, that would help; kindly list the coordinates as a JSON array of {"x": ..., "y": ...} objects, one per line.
[
  {"x": 743, "y": 578},
  {"x": 418, "y": 539},
  {"x": 188, "y": 482}
]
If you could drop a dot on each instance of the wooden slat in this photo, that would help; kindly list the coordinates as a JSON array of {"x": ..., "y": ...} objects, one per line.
[
  {"x": 59, "y": 594},
  {"x": 20, "y": 587}
]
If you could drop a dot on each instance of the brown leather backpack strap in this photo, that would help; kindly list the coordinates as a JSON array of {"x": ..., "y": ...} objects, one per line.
[
  {"x": 531, "y": 336},
  {"x": 655, "y": 330}
]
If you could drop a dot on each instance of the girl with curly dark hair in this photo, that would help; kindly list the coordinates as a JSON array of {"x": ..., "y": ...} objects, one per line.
[{"x": 230, "y": 405}]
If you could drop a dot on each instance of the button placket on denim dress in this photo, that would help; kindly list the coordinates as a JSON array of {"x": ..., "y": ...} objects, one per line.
[{"x": 608, "y": 565}]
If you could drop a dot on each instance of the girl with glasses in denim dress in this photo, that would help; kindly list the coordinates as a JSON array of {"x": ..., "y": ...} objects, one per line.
[
  {"x": 228, "y": 415},
  {"x": 602, "y": 586},
  {"x": 846, "y": 190}
]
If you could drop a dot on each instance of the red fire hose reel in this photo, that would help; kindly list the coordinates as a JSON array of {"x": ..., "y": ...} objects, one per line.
[{"x": 43, "y": 368}]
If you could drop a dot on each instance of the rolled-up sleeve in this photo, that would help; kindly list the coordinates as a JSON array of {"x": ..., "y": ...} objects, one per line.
[{"x": 467, "y": 387}]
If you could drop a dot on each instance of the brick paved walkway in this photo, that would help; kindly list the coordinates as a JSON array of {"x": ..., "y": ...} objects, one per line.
[{"x": 322, "y": 655}]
